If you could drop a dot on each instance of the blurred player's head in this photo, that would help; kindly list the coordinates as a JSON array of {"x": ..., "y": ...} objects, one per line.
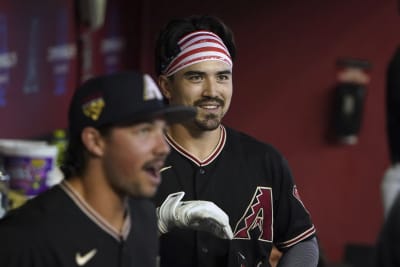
[{"x": 116, "y": 125}]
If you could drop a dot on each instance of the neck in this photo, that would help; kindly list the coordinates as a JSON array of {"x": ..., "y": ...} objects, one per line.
[
  {"x": 101, "y": 198},
  {"x": 198, "y": 142}
]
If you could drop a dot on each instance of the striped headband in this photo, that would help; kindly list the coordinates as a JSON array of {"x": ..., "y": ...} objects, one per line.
[{"x": 196, "y": 47}]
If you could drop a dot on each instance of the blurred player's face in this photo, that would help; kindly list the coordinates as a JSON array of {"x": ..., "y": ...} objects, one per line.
[
  {"x": 205, "y": 85},
  {"x": 133, "y": 157}
]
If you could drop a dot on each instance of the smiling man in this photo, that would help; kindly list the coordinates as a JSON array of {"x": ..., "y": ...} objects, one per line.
[
  {"x": 100, "y": 214},
  {"x": 248, "y": 179}
]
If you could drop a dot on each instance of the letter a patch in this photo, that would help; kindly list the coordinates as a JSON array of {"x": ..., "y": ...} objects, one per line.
[{"x": 257, "y": 219}]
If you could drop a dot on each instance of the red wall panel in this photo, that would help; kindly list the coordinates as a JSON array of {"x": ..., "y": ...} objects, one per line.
[
  {"x": 38, "y": 86},
  {"x": 46, "y": 52},
  {"x": 284, "y": 77}
]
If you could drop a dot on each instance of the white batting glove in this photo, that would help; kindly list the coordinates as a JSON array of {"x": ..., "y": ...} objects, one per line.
[{"x": 195, "y": 214}]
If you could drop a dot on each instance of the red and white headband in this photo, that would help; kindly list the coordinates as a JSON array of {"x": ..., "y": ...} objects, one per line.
[{"x": 196, "y": 47}]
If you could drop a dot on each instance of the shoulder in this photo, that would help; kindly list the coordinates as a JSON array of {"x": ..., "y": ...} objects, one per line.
[
  {"x": 25, "y": 230},
  {"x": 251, "y": 145},
  {"x": 19, "y": 225},
  {"x": 34, "y": 212}
]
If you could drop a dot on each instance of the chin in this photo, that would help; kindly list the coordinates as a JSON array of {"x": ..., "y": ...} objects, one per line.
[
  {"x": 143, "y": 192},
  {"x": 150, "y": 192},
  {"x": 208, "y": 125}
]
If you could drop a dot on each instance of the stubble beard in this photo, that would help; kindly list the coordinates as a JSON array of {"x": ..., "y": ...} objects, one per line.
[{"x": 209, "y": 122}]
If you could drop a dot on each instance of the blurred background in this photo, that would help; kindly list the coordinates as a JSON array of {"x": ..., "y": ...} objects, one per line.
[{"x": 286, "y": 85}]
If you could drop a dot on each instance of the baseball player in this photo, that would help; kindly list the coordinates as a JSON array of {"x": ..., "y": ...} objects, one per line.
[
  {"x": 388, "y": 241},
  {"x": 100, "y": 215},
  {"x": 390, "y": 184},
  {"x": 248, "y": 179}
]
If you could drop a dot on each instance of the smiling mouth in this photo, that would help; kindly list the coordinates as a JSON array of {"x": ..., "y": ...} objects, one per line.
[
  {"x": 209, "y": 106},
  {"x": 209, "y": 103}
]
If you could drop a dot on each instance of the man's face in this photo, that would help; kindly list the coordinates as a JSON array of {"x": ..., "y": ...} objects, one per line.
[
  {"x": 133, "y": 157},
  {"x": 205, "y": 85}
]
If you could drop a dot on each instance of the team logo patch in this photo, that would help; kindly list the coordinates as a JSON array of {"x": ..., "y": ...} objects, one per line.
[
  {"x": 93, "y": 108},
  {"x": 150, "y": 90},
  {"x": 257, "y": 219}
]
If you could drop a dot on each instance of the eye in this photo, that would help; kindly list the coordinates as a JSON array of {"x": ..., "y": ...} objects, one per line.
[
  {"x": 195, "y": 77},
  {"x": 223, "y": 77},
  {"x": 144, "y": 129}
]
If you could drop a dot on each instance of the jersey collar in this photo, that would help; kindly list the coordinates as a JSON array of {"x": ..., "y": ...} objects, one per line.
[
  {"x": 214, "y": 154},
  {"x": 95, "y": 216}
]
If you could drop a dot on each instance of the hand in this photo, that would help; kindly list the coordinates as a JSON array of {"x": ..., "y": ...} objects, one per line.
[{"x": 195, "y": 214}]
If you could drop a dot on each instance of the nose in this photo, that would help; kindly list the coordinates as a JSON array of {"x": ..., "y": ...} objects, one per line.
[
  {"x": 210, "y": 87},
  {"x": 162, "y": 147}
]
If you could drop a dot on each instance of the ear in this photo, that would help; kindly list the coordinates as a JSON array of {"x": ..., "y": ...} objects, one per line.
[
  {"x": 93, "y": 141},
  {"x": 164, "y": 84}
]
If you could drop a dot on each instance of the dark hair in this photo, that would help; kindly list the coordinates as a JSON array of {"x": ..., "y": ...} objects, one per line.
[
  {"x": 167, "y": 42},
  {"x": 76, "y": 155}
]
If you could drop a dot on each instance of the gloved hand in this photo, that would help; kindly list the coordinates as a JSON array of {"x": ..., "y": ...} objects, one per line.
[{"x": 195, "y": 214}]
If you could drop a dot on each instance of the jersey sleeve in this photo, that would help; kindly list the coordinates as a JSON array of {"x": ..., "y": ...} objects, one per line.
[
  {"x": 23, "y": 239},
  {"x": 292, "y": 220}
]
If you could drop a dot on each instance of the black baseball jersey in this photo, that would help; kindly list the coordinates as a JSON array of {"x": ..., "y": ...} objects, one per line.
[
  {"x": 57, "y": 228},
  {"x": 388, "y": 244},
  {"x": 252, "y": 183},
  {"x": 393, "y": 106}
]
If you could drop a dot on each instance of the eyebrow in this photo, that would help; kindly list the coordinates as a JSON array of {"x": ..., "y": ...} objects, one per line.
[{"x": 195, "y": 72}]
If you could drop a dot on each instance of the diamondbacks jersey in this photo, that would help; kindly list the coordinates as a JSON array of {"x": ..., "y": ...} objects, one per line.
[
  {"x": 57, "y": 228},
  {"x": 252, "y": 183}
]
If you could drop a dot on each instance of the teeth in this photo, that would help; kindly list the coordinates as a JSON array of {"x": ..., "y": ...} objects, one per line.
[{"x": 209, "y": 106}]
